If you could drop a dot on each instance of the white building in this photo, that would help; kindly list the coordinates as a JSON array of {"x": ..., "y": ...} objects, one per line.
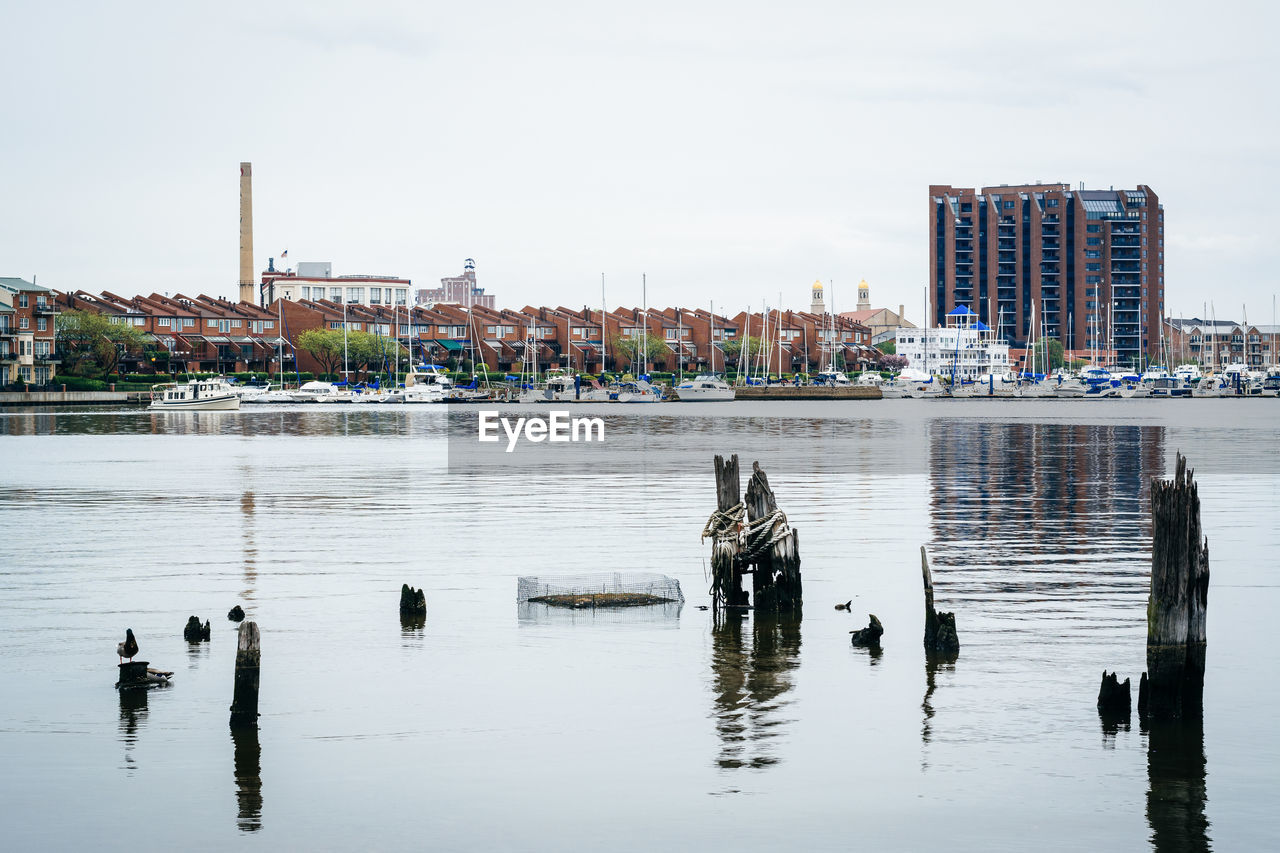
[{"x": 966, "y": 347}]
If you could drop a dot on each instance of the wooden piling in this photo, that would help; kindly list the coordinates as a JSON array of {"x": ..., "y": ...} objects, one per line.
[
  {"x": 774, "y": 546},
  {"x": 413, "y": 602},
  {"x": 1178, "y": 605},
  {"x": 726, "y": 573},
  {"x": 1114, "y": 698},
  {"x": 940, "y": 636},
  {"x": 244, "y": 703}
]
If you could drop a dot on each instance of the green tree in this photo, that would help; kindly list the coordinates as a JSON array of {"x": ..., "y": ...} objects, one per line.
[
  {"x": 888, "y": 347},
  {"x": 625, "y": 349},
  {"x": 1050, "y": 346},
  {"x": 91, "y": 344},
  {"x": 733, "y": 348},
  {"x": 366, "y": 351},
  {"x": 324, "y": 345}
]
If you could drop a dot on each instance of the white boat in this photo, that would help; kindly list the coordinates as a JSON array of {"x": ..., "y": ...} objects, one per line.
[
  {"x": 831, "y": 377},
  {"x": 1208, "y": 386},
  {"x": 1188, "y": 373},
  {"x": 427, "y": 383},
  {"x": 1133, "y": 386},
  {"x": 196, "y": 395},
  {"x": 251, "y": 393},
  {"x": 320, "y": 392},
  {"x": 562, "y": 386},
  {"x": 1170, "y": 386},
  {"x": 705, "y": 388},
  {"x": 639, "y": 391}
]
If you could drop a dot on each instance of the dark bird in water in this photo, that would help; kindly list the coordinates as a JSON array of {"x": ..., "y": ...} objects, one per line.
[
  {"x": 845, "y": 606},
  {"x": 702, "y": 607},
  {"x": 129, "y": 647}
]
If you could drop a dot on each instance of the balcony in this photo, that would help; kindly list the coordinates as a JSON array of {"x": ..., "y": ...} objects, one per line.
[
  {"x": 47, "y": 358},
  {"x": 8, "y": 357},
  {"x": 8, "y": 332},
  {"x": 44, "y": 307}
]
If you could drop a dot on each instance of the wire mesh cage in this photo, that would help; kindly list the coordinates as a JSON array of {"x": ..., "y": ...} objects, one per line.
[{"x": 604, "y": 589}]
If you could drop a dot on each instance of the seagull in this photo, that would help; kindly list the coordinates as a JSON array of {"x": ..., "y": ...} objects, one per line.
[{"x": 129, "y": 647}]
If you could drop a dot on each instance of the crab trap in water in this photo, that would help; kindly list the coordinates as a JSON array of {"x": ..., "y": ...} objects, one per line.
[{"x": 606, "y": 589}]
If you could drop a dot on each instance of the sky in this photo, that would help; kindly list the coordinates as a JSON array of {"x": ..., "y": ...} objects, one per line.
[{"x": 730, "y": 152}]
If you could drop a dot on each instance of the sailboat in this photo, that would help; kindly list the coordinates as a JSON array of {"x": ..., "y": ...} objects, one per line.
[{"x": 707, "y": 387}]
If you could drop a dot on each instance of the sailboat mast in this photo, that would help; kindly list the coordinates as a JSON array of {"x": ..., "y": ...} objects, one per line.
[
  {"x": 602, "y": 311},
  {"x": 644, "y": 327},
  {"x": 711, "y": 355}
]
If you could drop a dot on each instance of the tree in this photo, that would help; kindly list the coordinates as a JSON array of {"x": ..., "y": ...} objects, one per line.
[
  {"x": 324, "y": 345},
  {"x": 733, "y": 348},
  {"x": 888, "y": 347},
  {"x": 894, "y": 361},
  {"x": 625, "y": 349},
  {"x": 367, "y": 351},
  {"x": 1037, "y": 360},
  {"x": 92, "y": 344}
]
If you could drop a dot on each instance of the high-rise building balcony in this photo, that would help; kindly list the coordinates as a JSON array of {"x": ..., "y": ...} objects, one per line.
[{"x": 1125, "y": 242}]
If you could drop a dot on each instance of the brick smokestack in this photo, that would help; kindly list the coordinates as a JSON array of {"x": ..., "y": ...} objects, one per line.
[{"x": 247, "y": 284}]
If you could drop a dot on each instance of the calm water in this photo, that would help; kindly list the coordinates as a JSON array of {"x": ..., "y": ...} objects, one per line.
[{"x": 497, "y": 726}]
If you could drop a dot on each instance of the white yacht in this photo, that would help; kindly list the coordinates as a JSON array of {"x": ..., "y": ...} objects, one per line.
[
  {"x": 321, "y": 392},
  {"x": 427, "y": 383},
  {"x": 196, "y": 395},
  {"x": 831, "y": 377},
  {"x": 639, "y": 391},
  {"x": 705, "y": 388}
]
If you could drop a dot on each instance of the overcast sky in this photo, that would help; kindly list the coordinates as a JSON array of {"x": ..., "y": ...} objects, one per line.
[{"x": 732, "y": 151}]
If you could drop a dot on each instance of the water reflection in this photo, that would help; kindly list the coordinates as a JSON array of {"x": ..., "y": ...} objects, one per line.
[
  {"x": 247, "y": 507},
  {"x": 1176, "y": 779},
  {"x": 411, "y": 629},
  {"x": 752, "y": 672},
  {"x": 248, "y": 763},
  {"x": 932, "y": 665},
  {"x": 656, "y": 615},
  {"x": 133, "y": 713},
  {"x": 1049, "y": 521}
]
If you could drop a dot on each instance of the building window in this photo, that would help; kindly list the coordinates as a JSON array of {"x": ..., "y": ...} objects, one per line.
[
  {"x": 139, "y": 321},
  {"x": 24, "y": 323},
  {"x": 42, "y": 325},
  {"x": 22, "y": 300},
  {"x": 188, "y": 322},
  {"x": 1008, "y": 205},
  {"x": 235, "y": 324},
  {"x": 335, "y": 294},
  {"x": 164, "y": 322},
  {"x": 306, "y": 293},
  {"x": 224, "y": 325},
  {"x": 1093, "y": 229},
  {"x": 211, "y": 324},
  {"x": 1053, "y": 202},
  {"x": 1093, "y": 267},
  {"x": 375, "y": 296},
  {"x": 355, "y": 294}
]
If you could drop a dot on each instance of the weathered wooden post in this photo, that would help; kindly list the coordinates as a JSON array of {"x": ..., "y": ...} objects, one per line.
[
  {"x": 724, "y": 528},
  {"x": 868, "y": 637},
  {"x": 773, "y": 545},
  {"x": 244, "y": 703},
  {"x": 1177, "y": 609},
  {"x": 1114, "y": 698},
  {"x": 194, "y": 632},
  {"x": 940, "y": 636},
  {"x": 413, "y": 602}
]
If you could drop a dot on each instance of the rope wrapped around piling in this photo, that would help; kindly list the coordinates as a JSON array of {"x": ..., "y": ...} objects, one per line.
[
  {"x": 753, "y": 537},
  {"x": 726, "y": 524}
]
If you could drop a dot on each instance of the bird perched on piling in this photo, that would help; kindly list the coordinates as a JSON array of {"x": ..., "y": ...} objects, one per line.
[
  {"x": 845, "y": 606},
  {"x": 129, "y": 647}
]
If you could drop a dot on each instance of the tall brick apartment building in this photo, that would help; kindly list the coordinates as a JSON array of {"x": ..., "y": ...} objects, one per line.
[{"x": 1090, "y": 261}]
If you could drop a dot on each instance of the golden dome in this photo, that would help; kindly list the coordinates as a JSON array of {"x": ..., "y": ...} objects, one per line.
[{"x": 817, "y": 285}]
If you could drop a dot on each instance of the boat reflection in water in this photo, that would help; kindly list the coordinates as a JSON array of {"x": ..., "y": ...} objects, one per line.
[
  {"x": 753, "y": 664},
  {"x": 248, "y": 764}
]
